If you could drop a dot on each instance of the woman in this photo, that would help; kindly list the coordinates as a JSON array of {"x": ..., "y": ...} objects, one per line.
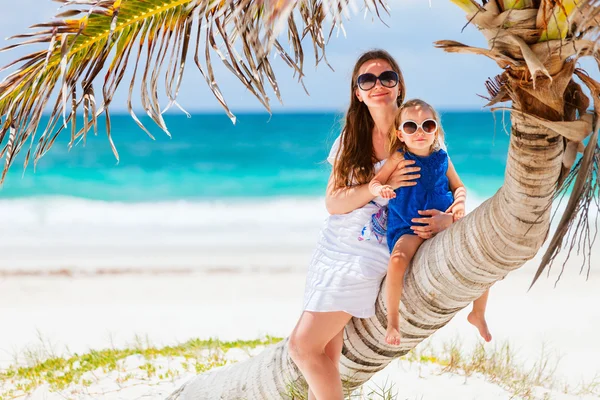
[{"x": 351, "y": 256}]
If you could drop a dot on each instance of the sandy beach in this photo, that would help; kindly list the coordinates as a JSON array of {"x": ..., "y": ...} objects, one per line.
[
  {"x": 113, "y": 288},
  {"x": 72, "y": 314}
]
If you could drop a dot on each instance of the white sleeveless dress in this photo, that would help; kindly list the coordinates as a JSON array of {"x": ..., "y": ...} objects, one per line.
[{"x": 350, "y": 259}]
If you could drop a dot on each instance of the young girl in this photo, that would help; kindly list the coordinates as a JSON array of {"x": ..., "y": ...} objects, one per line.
[{"x": 418, "y": 137}]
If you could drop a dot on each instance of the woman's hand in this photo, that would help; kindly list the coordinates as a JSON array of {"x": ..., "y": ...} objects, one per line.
[
  {"x": 404, "y": 175},
  {"x": 434, "y": 221}
]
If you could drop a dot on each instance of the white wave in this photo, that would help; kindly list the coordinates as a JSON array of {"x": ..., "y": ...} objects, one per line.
[
  {"x": 59, "y": 232},
  {"x": 65, "y": 212},
  {"x": 56, "y": 213},
  {"x": 42, "y": 233}
]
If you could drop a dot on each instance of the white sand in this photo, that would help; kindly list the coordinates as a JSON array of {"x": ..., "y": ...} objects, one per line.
[
  {"x": 93, "y": 312},
  {"x": 82, "y": 312},
  {"x": 88, "y": 311},
  {"x": 402, "y": 378}
]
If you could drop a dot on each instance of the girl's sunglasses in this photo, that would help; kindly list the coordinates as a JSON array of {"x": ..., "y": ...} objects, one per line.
[
  {"x": 367, "y": 81},
  {"x": 409, "y": 127}
]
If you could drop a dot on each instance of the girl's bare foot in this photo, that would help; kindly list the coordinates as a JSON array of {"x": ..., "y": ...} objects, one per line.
[
  {"x": 478, "y": 320},
  {"x": 392, "y": 336}
]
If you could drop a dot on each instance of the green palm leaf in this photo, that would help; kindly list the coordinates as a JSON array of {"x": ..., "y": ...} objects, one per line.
[{"x": 93, "y": 42}]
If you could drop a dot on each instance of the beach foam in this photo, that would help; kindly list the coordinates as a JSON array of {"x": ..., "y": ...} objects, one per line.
[
  {"x": 58, "y": 233},
  {"x": 72, "y": 235},
  {"x": 46, "y": 234}
]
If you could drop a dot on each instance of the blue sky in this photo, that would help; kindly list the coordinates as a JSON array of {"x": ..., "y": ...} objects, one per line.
[{"x": 448, "y": 81}]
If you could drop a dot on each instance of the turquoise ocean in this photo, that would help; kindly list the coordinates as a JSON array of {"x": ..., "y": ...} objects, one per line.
[
  {"x": 207, "y": 157},
  {"x": 184, "y": 201}
]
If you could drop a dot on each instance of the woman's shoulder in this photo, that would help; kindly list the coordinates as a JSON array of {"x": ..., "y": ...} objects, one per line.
[{"x": 334, "y": 150}]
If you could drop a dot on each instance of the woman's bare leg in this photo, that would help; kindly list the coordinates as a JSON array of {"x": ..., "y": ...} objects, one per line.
[
  {"x": 312, "y": 334},
  {"x": 333, "y": 350}
]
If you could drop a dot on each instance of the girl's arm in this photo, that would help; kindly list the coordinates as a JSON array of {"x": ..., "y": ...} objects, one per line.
[
  {"x": 378, "y": 185},
  {"x": 346, "y": 199},
  {"x": 458, "y": 189}
]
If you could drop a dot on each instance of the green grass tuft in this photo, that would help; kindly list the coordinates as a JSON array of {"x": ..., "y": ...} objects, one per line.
[
  {"x": 60, "y": 372},
  {"x": 498, "y": 364}
]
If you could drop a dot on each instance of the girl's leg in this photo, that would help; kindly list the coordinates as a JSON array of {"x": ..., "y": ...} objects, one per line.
[
  {"x": 312, "y": 334},
  {"x": 404, "y": 250},
  {"x": 477, "y": 316},
  {"x": 333, "y": 350}
]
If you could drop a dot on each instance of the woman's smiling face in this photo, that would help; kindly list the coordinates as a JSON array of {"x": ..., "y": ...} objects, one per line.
[{"x": 379, "y": 95}]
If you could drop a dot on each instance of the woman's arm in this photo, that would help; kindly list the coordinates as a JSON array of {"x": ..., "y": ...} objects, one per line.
[
  {"x": 434, "y": 222},
  {"x": 346, "y": 199},
  {"x": 458, "y": 189}
]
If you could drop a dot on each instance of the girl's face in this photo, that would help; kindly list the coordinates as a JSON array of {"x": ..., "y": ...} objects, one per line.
[
  {"x": 379, "y": 95},
  {"x": 419, "y": 142}
]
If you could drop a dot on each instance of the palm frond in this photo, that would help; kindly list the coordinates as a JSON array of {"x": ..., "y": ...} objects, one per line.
[
  {"x": 556, "y": 21},
  {"x": 585, "y": 190},
  {"x": 537, "y": 44},
  {"x": 515, "y": 4},
  {"x": 468, "y": 6},
  {"x": 89, "y": 38}
]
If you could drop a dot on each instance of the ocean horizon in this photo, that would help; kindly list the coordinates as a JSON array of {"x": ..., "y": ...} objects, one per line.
[{"x": 207, "y": 157}]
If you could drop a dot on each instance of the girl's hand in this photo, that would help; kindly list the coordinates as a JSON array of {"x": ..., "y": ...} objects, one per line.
[
  {"x": 404, "y": 175},
  {"x": 387, "y": 192},
  {"x": 457, "y": 209},
  {"x": 435, "y": 221}
]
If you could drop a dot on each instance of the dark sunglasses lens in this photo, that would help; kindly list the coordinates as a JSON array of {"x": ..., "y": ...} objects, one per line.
[
  {"x": 388, "y": 79},
  {"x": 367, "y": 81},
  {"x": 429, "y": 126},
  {"x": 409, "y": 127}
]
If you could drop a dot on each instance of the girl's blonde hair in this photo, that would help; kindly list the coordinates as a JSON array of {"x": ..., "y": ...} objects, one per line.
[{"x": 395, "y": 144}]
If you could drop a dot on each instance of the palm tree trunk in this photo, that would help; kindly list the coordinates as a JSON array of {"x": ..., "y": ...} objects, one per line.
[{"x": 448, "y": 273}]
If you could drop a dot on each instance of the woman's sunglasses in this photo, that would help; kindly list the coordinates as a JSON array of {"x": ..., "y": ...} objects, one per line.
[
  {"x": 409, "y": 127},
  {"x": 367, "y": 81}
]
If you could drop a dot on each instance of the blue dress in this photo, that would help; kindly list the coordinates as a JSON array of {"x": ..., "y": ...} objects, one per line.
[{"x": 432, "y": 191}]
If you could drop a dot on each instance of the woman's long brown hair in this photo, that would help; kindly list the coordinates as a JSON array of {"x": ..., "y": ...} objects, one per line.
[{"x": 355, "y": 156}]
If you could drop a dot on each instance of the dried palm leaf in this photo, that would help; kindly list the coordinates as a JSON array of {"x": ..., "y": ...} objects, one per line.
[{"x": 537, "y": 44}]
